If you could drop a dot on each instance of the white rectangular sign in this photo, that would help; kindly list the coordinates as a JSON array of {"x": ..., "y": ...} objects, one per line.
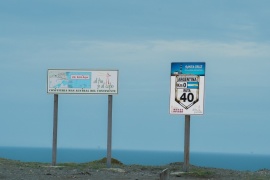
[
  {"x": 72, "y": 81},
  {"x": 187, "y": 88}
]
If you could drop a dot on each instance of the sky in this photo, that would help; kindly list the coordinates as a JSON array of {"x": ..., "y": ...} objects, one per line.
[{"x": 140, "y": 39}]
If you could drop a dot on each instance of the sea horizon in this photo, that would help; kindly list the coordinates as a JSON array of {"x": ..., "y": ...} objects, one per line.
[{"x": 234, "y": 161}]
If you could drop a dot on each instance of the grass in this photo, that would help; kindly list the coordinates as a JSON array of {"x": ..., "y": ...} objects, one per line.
[
  {"x": 201, "y": 173},
  {"x": 98, "y": 164},
  {"x": 113, "y": 161}
]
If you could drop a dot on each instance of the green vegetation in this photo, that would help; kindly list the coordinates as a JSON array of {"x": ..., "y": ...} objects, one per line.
[
  {"x": 98, "y": 164},
  {"x": 201, "y": 173},
  {"x": 113, "y": 161}
]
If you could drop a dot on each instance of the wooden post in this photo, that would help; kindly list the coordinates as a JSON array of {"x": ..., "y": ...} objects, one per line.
[
  {"x": 55, "y": 119},
  {"x": 187, "y": 143},
  {"x": 109, "y": 134}
]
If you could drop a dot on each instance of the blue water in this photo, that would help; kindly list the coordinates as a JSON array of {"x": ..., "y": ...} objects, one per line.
[{"x": 249, "y": 162}]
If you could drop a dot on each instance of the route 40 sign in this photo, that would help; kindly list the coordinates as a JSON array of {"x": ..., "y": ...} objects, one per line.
[{"x": 187, "y": 88}]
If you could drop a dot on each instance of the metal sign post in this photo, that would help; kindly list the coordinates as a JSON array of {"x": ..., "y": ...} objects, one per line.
[
  {"x": 55, "y": 122},
  {"x": 109, "y": 135},
  {"x": 187, "y": 143}
]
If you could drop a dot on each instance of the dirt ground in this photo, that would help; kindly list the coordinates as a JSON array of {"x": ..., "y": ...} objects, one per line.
[{"x": 16, "y": 170}]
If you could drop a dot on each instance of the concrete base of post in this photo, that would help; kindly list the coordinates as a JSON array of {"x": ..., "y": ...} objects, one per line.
[{"x": 164, "y": 175}]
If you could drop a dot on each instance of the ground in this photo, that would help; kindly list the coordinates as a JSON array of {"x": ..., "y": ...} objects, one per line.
[{"x": 96, "y": 170}]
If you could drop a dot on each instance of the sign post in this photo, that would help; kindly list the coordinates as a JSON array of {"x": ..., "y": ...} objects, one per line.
[
  {"x": 55, "y": 122},
  {"x": 187, "y": 96},
  {"x": 109, "y": 134},
  {"x": 73, "y": 81},
  {"x": 186, "y": 143}
]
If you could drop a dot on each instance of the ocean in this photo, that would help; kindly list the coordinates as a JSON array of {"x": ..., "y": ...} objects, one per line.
[{"x": 251, "y": 162}]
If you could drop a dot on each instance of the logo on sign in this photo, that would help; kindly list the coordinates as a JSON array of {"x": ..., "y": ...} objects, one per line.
[{"x": 80, "y": 77}]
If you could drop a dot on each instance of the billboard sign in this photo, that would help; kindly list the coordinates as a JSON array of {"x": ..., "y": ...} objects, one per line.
[
  {"x": 72, "y": 81},
  {"x": 187, "y": 88}
]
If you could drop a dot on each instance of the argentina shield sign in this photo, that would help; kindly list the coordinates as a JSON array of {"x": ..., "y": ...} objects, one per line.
[{"x": 187, "y": 88}]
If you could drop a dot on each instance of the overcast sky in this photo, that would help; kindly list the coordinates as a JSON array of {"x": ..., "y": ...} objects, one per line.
[{"x": 139, "y": 38}]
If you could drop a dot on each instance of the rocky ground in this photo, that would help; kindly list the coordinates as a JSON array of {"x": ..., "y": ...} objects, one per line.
[{"x": 97, "y": 170}]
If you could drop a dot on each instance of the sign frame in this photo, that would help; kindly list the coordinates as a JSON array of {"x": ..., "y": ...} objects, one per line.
[
  {"x": 82, "y": 81},
  {"x": 187, "y": 88}
]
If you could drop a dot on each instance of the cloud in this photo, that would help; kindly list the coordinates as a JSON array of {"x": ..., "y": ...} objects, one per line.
[{"x": 158, "y": 47}]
